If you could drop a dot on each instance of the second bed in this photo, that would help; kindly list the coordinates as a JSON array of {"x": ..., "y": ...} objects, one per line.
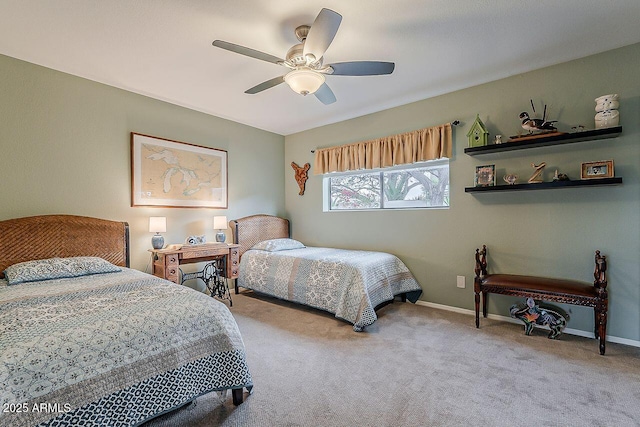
[{"x": 347, "y": 283}]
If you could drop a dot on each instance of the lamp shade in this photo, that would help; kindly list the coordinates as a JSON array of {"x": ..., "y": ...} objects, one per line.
[
  {"x": 219, "y": 222},
  {"x": 304, "y": 81},
  {"x": 157, "y": 224}
]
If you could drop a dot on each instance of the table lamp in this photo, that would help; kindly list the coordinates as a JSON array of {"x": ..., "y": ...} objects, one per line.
[
  {"x": 157, "y": 224},
  {"x": 220, "y": 223}
]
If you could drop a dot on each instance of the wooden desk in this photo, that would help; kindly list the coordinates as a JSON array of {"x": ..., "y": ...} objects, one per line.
[{"x": 166, "y": 262}]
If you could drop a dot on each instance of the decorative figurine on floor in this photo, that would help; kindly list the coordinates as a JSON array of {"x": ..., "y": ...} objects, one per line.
[
  {"x": 537, "y": 125},
  {"x": 301, "y": 175},
  {"x": 542, "y": 315},
  {"x": 535, "y": 178}
]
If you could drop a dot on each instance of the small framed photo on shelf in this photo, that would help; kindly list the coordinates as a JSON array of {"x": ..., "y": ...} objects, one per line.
[
  {"x": 485, "y": 176},
  {"x": 595, "y": 170}
]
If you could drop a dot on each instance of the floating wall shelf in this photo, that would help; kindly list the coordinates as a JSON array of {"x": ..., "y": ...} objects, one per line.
[
  {"x": 547, "y": 185},
  {"x": 542, "y": 141}
]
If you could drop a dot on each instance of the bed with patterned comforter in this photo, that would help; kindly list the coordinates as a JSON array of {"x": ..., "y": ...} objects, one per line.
[
  {"x": 111, "y": 349},
  {"x": 347, "y": 283}
]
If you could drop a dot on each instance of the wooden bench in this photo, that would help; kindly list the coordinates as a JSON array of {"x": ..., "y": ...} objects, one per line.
[{"x": 548, "y": 289}]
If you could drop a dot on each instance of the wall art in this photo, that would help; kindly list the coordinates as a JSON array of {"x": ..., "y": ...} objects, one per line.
[{"x": 166, "y": 173}]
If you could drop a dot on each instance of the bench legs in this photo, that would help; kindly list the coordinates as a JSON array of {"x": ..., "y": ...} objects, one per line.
[
  {"x": 484, "y": 306},
  {"x": 477, "y": 289},
  {"x": 477, "y": 304},
  {"x": 601, "y": 326}
]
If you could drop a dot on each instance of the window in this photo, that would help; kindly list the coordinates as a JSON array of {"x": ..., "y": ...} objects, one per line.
[{"x": 420, "y": 185}]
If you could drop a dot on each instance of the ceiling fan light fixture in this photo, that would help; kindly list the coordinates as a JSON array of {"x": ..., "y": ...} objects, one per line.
[
  {"x": 304, "y": 81},
  {"x": 305, "y": 60}
]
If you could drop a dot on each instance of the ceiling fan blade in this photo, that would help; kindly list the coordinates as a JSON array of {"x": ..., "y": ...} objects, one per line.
[
  {"x": 321, "y": 33},
  {"x": 265, "y": 85},
  {"x": 325, "y": 94},
  {"x": 248, "y": 52},
  {"x": 362, "y": 68}
]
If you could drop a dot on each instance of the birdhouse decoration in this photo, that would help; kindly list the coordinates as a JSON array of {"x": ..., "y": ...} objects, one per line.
[{"x": 478, "y": 134}]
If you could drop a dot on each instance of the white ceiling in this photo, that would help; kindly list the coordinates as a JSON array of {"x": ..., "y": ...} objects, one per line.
[{"x": 162, "y": 48}]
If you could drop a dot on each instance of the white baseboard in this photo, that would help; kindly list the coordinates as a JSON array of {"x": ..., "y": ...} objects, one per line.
[{"x": 570, "y": 331}]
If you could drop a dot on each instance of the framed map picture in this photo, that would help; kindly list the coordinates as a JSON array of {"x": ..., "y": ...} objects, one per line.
[{"x": 176, "y": 174}]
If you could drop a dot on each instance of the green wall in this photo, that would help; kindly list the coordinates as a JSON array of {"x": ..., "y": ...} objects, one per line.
[
  {"x": 548, "y": 233},
  {"x": 65, "y": 149},
  {"x": 65, "y": 144}
]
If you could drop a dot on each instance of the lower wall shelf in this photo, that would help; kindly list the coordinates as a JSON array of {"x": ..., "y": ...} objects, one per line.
[{"x": 546, "y": 185}]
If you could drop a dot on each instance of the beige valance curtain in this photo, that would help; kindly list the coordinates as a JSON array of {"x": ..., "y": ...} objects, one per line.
[{"x": 415, "y": 146}]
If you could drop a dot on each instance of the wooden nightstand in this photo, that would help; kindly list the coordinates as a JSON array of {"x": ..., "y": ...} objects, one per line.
[{"x": 166, "y": 262}]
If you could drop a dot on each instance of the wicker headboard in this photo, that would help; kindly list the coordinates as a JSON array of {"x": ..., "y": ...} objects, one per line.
[
  {"x": 48, "y": 236},
  {"x": 252, "y": 229}
]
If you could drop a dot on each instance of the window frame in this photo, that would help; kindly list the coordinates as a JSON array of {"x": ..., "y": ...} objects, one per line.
[{"x": 326, "y": 185}]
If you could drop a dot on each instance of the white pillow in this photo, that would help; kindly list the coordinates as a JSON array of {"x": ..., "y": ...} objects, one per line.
[{"x": 275, "y": 245}]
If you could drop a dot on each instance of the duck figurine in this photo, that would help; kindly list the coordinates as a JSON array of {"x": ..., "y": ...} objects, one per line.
[{"x": 537, "y": 125}]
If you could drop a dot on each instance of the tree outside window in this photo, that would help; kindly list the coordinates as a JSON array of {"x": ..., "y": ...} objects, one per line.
[{"x": 411, "y": 187}]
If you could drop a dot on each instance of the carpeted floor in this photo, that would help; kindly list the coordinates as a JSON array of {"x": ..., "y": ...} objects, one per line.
[{"x": 416, "y": 366}]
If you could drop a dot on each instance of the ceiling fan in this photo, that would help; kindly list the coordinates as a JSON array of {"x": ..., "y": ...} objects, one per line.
[{"x": 304, "y": 60}]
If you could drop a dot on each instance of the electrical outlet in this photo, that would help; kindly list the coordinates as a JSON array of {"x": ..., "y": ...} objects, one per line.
[{"x": 461, "y": 282}]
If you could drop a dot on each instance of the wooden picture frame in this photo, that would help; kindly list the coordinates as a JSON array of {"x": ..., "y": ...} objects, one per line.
[
  {"x": 167, "y": 173},
  {"x": 485, "y": 176},
  {"x": 596, "y": 170}
]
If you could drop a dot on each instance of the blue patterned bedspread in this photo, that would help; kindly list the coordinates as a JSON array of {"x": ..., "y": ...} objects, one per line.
[
  {"x": 111, "y": 349},
  {"x": 347, "y": 283}
]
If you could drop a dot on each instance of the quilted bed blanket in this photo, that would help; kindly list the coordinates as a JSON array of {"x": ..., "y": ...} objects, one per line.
[
  {"x": 111, "y": 349},
  {"x": 347, "y": 283}
]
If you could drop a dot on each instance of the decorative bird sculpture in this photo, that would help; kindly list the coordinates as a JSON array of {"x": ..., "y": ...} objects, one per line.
[{"x": 537, "y": 125}]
